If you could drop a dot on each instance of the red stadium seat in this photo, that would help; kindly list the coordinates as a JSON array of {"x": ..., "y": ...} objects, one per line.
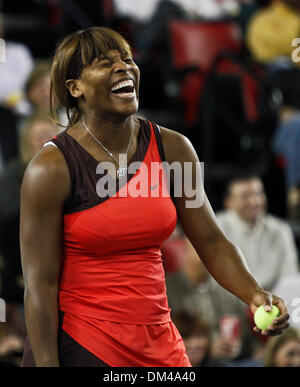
[{"x": 199, "y": 45}]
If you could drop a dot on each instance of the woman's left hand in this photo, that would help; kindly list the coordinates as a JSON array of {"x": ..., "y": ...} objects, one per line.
[{"x": 279, "y": 323}]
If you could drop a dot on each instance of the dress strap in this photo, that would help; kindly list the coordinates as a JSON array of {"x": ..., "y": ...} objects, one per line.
[
  {"x": 83, "y": 168},
  {"x": 159, "y": 143},
  {"x": 49, "y": 143}
]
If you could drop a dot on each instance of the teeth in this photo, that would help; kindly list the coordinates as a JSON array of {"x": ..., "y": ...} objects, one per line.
[{"x": 122, "y": 84}]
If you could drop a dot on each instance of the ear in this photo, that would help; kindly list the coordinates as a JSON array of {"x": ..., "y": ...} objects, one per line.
[{"x": 74, "y": 87}]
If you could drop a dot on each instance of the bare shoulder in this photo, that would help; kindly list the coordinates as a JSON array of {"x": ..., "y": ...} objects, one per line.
[
  {"x": 177, "y": 146},
  {"x": 46, "y": 177}
]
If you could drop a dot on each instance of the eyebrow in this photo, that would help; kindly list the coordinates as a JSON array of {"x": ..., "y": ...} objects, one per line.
[
  {"x": 100, "y": 58},
  {"x": 111, "y": 57}
]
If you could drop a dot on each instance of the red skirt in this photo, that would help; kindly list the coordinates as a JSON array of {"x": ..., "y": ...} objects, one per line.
[{"x": 128, "y": 345}]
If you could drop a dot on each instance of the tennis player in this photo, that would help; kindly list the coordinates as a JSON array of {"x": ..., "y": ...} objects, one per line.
[{"x": 95, "y": 291}]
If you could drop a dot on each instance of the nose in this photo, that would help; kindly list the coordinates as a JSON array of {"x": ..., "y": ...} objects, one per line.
[
  {"x": 254, "y": 200},
  {"x": 122, "y": 66}
]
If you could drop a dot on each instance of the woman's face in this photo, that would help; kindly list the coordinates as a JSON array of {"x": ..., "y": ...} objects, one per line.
[
  {"x": 108, "y": 86},
  {"x": 288, "y": 355},
  {"x": 196, "y": 348},
  {"x": 41, "y": 131},
  {"x": 39, "y": 93}
]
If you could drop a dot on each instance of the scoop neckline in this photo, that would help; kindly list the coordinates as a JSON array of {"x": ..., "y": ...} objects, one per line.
[{"x": 97, "y": 161}]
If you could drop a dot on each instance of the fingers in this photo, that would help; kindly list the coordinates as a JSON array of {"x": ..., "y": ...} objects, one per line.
[
  {"x": 268, "y": 332},
  {"x": 275, "y": 328},
  {"x": 271, "y": 332},
  {"x": 281, "y": 320},
  {"x": 282, "y": 326},
  {"x": 268, "y": 302},
  {"x": 284, "y": 316},
  {"x": 279, "y": 323}
]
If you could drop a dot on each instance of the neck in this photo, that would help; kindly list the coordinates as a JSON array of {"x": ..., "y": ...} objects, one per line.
[
  {"x": 251, "y": 222},
  {"x": 112, "y": 134}
]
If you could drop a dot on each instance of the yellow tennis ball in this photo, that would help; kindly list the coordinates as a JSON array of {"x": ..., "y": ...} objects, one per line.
[{"x": 264, "y": 319}]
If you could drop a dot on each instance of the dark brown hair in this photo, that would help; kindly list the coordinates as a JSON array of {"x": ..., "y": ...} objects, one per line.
[
  {"x": 190, "y": 324},
  {"x": 75, "y": 52},
  {"x": 275, "y": 343},
  {"x": 240, "y": 177}
]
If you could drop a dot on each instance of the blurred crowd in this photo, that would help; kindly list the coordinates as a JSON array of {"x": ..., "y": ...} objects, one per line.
[{"x": 226, "y": 74}]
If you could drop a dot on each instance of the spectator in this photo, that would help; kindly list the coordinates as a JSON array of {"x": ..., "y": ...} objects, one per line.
[
  {"x": 38, "y": 130},
  {"x": 37, "y": 90},
  {"x": 15, "y": 65},
  {"x": 140, "y": 11},
  {"x": 211, "y": 9},
  {"x": 272, "y": 29},
  {"x": 192, "y": 290},
  {"x": 284, "y": 350},
  {"x": 288, "y": 289},
  {"x": 13, "y": 74},
  {"x": 37, "y": 87},
  {"x": 196, "y": 335},
  {"x": 199, "y": 9},
  {"x": 269, "y": 37},
  {"x": 266, "y": 241},
  {"x": 285, "y": 145},
  {"x": 156, "y": 16}
]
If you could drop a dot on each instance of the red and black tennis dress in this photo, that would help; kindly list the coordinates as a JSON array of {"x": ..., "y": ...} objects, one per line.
[{"x": 112, "y": 292}]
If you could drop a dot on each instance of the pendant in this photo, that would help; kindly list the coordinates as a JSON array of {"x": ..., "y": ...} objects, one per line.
[{"x": 122, "y": 171}]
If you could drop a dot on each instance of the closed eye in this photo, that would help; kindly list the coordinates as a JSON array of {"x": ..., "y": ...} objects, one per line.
[
  {"x": 128, "y": 60},
  {"x": 105, "y": 63}
]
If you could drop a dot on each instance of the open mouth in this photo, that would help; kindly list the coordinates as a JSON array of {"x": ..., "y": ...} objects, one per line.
[{"x": 124, "y": 89}]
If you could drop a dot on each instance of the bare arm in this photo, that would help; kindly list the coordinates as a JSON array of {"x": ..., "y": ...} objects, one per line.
[
  {"x": 222, "y": 258},
  {"x": 44, "y": 190}
]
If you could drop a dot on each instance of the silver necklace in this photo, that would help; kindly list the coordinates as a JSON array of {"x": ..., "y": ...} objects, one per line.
[{"x": 122, "y": 170}]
